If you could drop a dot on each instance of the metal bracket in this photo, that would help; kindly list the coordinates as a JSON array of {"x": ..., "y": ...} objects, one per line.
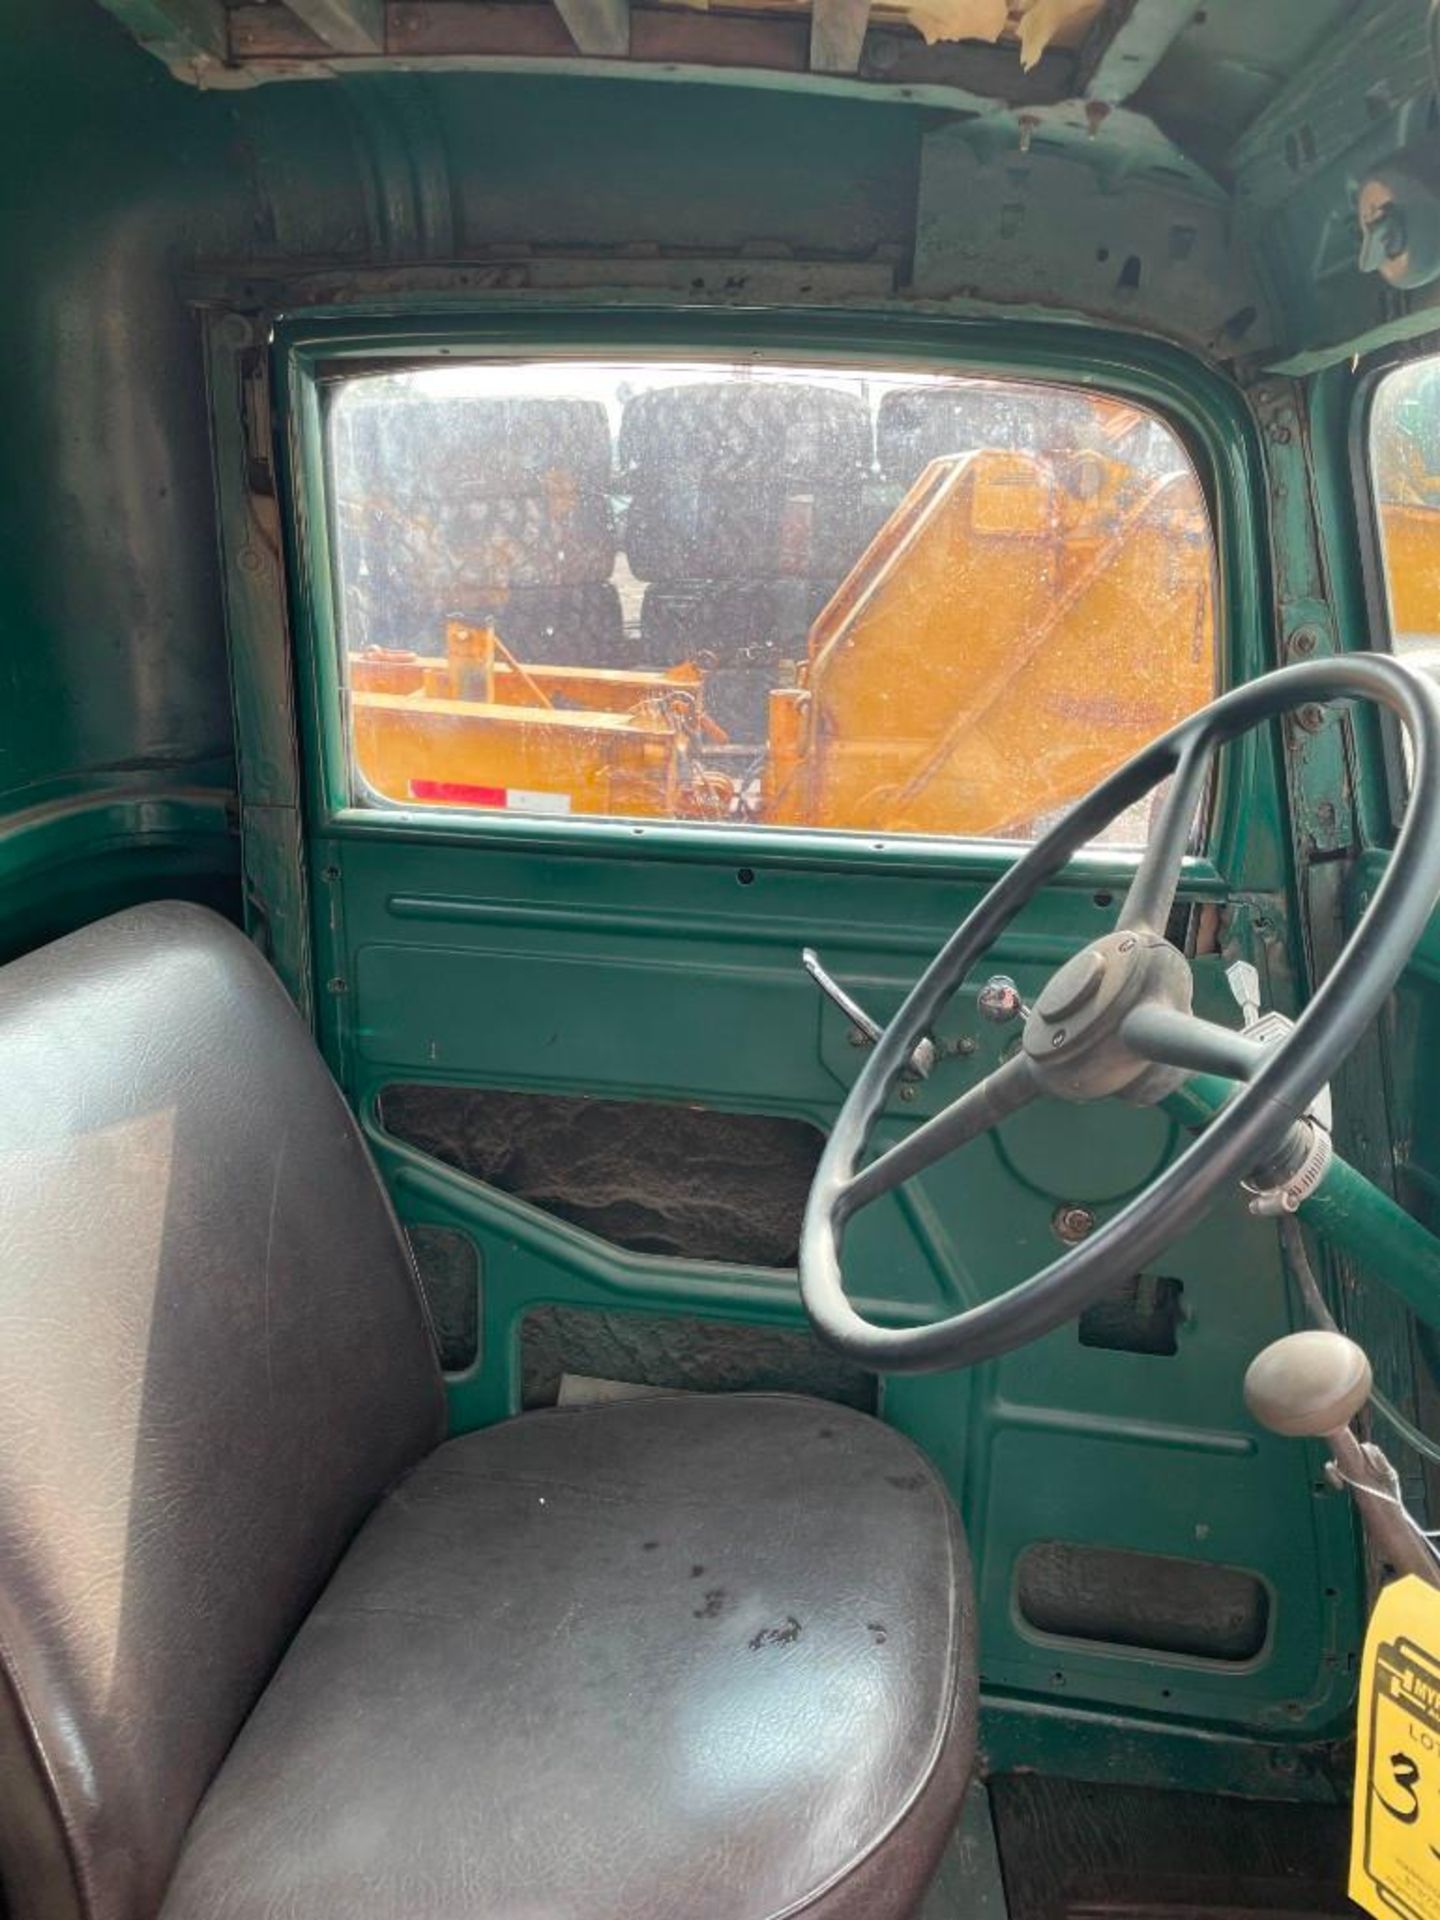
[{"x": 922, "y": 1060}]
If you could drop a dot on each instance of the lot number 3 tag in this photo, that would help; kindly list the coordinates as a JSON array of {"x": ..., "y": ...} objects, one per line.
[{"x": 1395, "y": 1841}]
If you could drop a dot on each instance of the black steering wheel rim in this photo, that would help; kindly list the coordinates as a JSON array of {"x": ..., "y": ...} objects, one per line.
[{"x": 1247, "y": 1128}]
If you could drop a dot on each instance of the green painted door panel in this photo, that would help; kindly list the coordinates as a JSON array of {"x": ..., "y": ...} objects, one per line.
[{"x": 655, "y": 979}]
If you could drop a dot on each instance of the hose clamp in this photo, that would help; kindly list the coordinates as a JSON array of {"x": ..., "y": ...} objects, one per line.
[{"x": 1298, "y": 1186}]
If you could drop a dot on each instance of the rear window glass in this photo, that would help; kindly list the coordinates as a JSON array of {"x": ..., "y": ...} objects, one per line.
[{"x": 774, "y": 596}]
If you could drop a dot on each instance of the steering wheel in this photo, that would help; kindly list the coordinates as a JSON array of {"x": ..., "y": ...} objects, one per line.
[{"x": 1115, "y": 1021}]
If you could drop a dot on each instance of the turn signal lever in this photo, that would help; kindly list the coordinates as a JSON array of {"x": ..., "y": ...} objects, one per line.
[
  {"x": 922, "y": 1060},
  {"x": 1303, "y": 1158}
]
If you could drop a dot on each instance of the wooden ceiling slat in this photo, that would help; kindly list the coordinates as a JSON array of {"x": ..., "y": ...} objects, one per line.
[
  {"x": 495, "y": 29},
  {"x": 185, "y": 34},
  {"x": 1127, "y": 43},
  {"x": 598, "y": 26},
  {"x": 349, "y": 26},
  {"x": 436, "y": 33},
  {"x": 837, "y": 35}
]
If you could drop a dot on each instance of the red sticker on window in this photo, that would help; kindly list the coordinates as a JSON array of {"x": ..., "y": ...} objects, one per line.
[{"x": 457, "y": 793}]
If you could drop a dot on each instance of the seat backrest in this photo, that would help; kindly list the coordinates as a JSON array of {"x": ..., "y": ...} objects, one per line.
[{"x": 213, "y": 1360}]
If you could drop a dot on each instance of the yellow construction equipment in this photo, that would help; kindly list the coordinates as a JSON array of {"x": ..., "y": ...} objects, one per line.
[
  {"x": 480, "y": 729},
  {"x": 1411, "y": 536},
  {"x": 1017, "y": 627},
  {"x": 1002, "y": 644},
  {"x": 1405, "y": 457}
]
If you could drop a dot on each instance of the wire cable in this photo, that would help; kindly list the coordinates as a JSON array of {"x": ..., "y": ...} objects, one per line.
[{"x": 1298, "y": 1258}]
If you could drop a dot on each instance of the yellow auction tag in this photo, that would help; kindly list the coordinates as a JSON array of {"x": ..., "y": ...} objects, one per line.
[{"x": 1395, "y": 1842}]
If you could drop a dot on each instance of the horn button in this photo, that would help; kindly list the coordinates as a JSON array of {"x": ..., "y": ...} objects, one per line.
[{"x": 1073, "y": 1034}]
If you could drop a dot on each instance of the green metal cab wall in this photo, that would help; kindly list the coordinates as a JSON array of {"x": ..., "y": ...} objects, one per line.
[
  {"x": 662, "y": 964},
  {"x": 116, "y": 760}
]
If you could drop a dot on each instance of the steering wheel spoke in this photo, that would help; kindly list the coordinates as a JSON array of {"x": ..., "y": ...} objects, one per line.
[
  {"x": 1168, "y": 1038},
  {"x": 1151, "y": 897},
  {"x": 1010, "y": 1087}
]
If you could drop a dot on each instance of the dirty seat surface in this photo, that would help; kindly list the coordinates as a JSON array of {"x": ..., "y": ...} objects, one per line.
[{"x": 683, "y": 1656}]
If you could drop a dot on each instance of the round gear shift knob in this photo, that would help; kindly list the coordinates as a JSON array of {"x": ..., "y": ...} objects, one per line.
[{"x": 1308, "y": 1383}]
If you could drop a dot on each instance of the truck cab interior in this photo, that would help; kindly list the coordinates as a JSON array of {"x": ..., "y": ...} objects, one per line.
[{"x": 719, "y": 970}]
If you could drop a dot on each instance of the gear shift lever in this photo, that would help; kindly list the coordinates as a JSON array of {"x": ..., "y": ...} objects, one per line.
[{"x": 1314, "y": 1384}]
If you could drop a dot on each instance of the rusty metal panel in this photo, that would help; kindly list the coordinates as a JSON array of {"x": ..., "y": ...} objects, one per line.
[{"x": 1041, "y": 224}]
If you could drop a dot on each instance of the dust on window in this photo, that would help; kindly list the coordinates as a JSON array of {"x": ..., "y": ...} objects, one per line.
[{"x": 797, "y": 597}]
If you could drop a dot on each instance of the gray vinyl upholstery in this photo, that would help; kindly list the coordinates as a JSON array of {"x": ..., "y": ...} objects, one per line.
[
  {"x": 687, "y": 1656},
  {"x": 654, "y": 1673},
  {"x": 213, "y": 1362}
]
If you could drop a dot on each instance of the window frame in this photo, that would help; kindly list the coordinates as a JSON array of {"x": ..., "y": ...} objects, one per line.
[{"x": 311, "y": 353}]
